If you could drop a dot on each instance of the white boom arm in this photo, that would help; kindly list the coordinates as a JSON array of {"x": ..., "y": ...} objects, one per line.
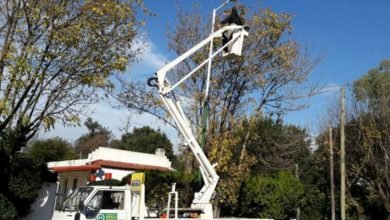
[{"x": 209, "y": 175}]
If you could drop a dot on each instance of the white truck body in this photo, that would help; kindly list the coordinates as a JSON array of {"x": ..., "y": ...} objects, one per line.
[{"x": 100, "y": 202}]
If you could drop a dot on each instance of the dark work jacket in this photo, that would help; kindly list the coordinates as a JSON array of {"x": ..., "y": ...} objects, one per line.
[{"x": 233, "y": 18}]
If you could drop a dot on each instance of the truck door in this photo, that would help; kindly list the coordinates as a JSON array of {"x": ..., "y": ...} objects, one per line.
[{"x": 106, "y": 205}]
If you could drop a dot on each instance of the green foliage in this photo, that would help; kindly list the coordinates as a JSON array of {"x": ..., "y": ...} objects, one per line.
[
  {"x": 375, "y": 85},
  {"x": 94, "y": 127},
  {"x": 314, "y": 203},
  {"x": 258, "y": 146},
  {"x": 275, "y": 144},
  {"x": 22, "y": 177},
  {"x": 98, "y": 136},
  {"x": 21, "y": 181},
  {"x": 369, "y": 146},
  {"x": 145, "y": 140},
  {"x": 158, "y": 184},
  {"x": 7, "y": 141},
  {"x": 24, "y": 181},
  {"x": 52, "y": 149},
  {"x": 272, "y": 196},
  {"x": 314, "y": 174},
  {"x": 7, "y": 209}
]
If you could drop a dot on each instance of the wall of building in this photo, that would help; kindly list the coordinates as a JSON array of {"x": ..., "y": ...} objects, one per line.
[
  {"x": 128, "y": 161},
  {"x": 68, "y": 182}
]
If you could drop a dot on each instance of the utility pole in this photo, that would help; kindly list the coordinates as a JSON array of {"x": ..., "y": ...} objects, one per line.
[
  {"x": 331, "y": 174},
  {"x": 297, "y": 176},
  {"x": 342, "y": 154}
]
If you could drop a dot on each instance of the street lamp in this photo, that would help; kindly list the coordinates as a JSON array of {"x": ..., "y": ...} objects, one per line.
[
  {"x": 215, "y": 12},
  {"x": 204, "y": 110},
  {"x": 211, "y": 48}
]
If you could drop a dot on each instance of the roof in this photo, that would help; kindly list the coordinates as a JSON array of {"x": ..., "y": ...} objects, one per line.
[
  {"x": 108, "y": 164},
  {"x": 113, "y": 158},
  {"x": 127, "y": 166},
  {"x": 75, "y": 168}
]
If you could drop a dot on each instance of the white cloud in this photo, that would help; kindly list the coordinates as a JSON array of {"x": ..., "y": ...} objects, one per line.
[
  {"x": 330, "y": 88},
  {"x": 151, "y": 57},
  {"x": 114, "y": 119}
]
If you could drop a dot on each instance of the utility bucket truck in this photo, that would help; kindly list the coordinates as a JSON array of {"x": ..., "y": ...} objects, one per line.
[{"x": 105, "y": 202}]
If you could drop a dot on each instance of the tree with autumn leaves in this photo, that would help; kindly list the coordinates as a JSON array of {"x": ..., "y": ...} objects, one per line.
[
  {"x": 367, "y": 148},
  {"x": 54, "y": 58},
  {"x": 372, "y": 140},
  {"x": 265, "y": 83}
]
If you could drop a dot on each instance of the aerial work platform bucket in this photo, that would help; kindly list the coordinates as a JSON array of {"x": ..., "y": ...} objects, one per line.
[{"x": 234, "y": 47}]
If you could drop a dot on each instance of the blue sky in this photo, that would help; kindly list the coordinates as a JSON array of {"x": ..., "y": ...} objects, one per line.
[{"x": 351, "y": 37}]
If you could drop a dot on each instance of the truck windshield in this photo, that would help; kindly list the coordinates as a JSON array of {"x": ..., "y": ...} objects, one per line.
[{"x": 77, "y": 197}]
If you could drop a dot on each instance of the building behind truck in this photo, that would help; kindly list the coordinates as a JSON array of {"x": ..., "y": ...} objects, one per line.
[{"x": 100, "y": 164}]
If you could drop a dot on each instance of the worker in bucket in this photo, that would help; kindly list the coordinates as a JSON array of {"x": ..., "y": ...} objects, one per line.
[{"x": 233, "y": 18}]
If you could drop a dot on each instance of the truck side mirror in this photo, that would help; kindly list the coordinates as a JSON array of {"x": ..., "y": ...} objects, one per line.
[
  {"x": 77, "y": 216},
  {"x": 80, "y": 206}
]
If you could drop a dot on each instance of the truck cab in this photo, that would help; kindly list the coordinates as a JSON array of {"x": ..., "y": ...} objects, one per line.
[{"x": 100, "y": 202}]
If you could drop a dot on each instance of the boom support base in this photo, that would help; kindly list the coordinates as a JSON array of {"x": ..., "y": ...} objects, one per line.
[{"x": 207, "y": 209}]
